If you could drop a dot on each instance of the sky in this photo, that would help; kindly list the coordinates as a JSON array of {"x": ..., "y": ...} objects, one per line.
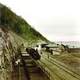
[{"x": 57, "y": 20}]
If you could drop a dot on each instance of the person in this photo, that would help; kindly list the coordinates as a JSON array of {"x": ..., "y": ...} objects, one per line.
[{"x": 38, "y": 48}]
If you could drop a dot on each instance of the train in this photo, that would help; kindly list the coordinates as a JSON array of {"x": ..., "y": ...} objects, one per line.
[{"x": 33, "y": 53}]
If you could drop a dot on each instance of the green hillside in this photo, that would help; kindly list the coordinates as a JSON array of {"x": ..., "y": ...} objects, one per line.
[{"x": 19, "y": 25}]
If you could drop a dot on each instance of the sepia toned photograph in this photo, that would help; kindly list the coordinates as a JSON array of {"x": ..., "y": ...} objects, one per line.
[{"x": 39, "y": 40}]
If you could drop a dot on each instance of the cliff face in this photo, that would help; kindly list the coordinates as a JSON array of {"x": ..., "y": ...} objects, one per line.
[
  {"x": 7, "y": 53},
  {"x": 9, "y": 46}
]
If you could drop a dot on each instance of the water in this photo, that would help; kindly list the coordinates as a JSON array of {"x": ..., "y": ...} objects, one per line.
[{"x": 75, "y": 44}]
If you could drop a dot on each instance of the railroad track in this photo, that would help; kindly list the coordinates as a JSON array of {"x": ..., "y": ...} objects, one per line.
[
  {"x": 52, "y": 71},
  {"x": 75, "y": 56},
  {"x": 62, "y": 67},
  {"x": 65, "y": 66}
]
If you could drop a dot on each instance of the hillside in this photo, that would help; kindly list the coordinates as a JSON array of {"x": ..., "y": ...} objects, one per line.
[
  {"x": 19, "y": 26},
  {"x": 14, "y": 31}
]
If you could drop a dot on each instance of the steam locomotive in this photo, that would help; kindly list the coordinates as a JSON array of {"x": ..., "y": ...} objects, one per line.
[{"x": 33, "y": 53}]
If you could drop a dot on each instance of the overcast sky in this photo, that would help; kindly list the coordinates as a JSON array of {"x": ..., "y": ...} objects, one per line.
[{"x": 55, "y": 19}]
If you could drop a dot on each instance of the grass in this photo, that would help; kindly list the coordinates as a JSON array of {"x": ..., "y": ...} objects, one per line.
[{"x": 72, "y": 60}]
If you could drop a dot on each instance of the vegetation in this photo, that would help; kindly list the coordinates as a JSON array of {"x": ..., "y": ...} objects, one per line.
[{"x": 19, "y": 25}]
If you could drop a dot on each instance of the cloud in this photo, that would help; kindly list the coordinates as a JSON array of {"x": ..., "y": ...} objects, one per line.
[{"x": 55, "y": 19}]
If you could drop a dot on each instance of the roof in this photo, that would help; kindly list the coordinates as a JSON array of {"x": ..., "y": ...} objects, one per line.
[{"x": 52, "y": 45}]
